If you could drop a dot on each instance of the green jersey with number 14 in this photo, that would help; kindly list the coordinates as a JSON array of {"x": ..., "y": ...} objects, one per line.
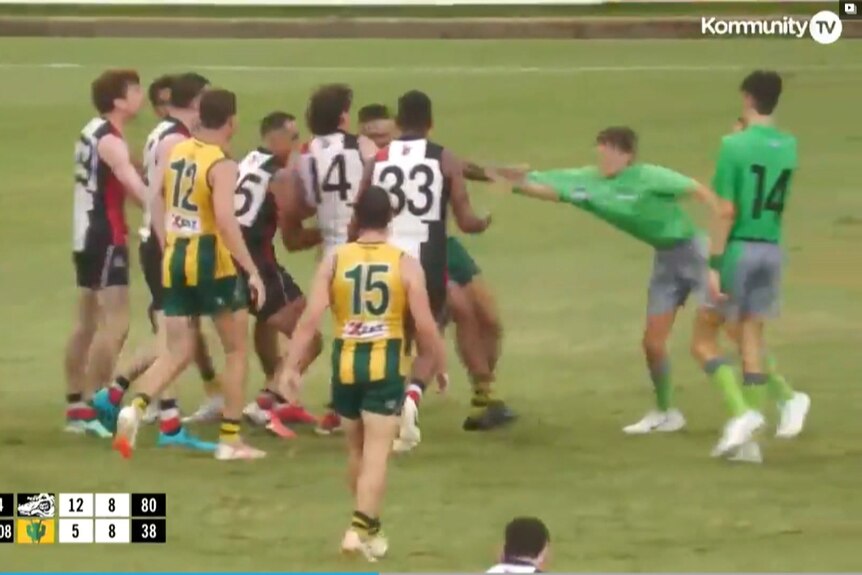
[{"x": 754, "y": 171}]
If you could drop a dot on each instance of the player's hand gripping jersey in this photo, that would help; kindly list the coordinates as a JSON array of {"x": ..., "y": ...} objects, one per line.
[{"x": 331, "y": 171}]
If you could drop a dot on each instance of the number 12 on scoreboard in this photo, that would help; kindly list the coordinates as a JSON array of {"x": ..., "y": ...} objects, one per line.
[{"x": 149, "y": 531}]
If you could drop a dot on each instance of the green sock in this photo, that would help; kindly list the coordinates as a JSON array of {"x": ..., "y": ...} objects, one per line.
[
  {"x": 660, "y": 376},
  {"x": 754, "y": 390},
  {"x": 779, "y": 390},
  {"x": 725, "y": 380}
]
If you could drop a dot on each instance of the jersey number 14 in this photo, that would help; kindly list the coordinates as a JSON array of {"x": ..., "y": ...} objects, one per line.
[{"x": 774, "y": 201}]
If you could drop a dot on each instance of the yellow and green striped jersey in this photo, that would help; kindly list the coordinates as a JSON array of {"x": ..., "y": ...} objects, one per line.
[
  {"x": 194, "y": 252},
  {"x": 369, "y": 304}
]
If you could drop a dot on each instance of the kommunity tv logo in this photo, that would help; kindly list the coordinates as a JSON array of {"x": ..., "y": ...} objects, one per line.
[{"x": 825, "y": 27}]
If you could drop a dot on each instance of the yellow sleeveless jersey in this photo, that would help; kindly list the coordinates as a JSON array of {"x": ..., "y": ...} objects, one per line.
[
  {"x": 369, "y": 303},
  {"x": 194, "y": 252}
]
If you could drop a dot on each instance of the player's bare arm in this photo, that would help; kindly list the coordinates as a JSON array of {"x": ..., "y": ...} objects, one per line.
[
  {"x": 367, "y": 148},
  {"x": 155, "y": 191},
  {"x": 289, "y": 192},
  {"x": 427, "y": 334},
  {"x": 467, "y": 220},
  {"x": 516, "y": 180},
  {"x": 222, "y": 179},
  {"x": 115, "y": 154},
  {"x": 364, "y": 184},
  {"x": 309, "y": 324}
]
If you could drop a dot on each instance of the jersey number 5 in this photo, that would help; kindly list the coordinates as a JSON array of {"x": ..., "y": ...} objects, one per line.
[
  {"x": 184, "y": 184},
  {"x": 370, "y": 294},
  {"x": 775, "y": 200}
]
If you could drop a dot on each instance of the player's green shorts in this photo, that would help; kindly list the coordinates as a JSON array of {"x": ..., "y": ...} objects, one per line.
[
  {"x": 383, "y": 397},
  {"x": 461, "y": 267},
  {"x": 207, "y": 298}
]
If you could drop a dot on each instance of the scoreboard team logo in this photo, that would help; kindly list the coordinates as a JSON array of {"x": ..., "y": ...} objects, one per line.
[{"x": 36, "y": 505}]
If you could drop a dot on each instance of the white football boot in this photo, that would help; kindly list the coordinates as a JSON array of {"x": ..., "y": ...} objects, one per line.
[
  {"x": 737, "y": 431},
  {"x": 657, "y": 421},
  {"x": 793, "y": 414}
]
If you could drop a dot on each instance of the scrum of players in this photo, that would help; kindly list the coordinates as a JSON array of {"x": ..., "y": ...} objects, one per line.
[{"x": 375, "y": 205}]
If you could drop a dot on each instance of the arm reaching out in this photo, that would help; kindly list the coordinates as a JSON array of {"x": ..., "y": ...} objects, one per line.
[
  {"x": 114, "y": 152},
  {"x": 516, "y": 179},
  {"x": 467, "y": 220},
  {"x": 309, "y": 323}
]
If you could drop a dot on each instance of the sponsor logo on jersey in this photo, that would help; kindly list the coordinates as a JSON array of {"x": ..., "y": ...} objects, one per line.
[
  {"x": 359, "y": 329},
  {"x": 182, "y": 224}
]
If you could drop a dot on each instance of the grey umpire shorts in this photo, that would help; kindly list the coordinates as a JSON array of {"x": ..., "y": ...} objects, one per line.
[
  {"x": 751, "y": 279},
  {"x": 678, "y": 272}
]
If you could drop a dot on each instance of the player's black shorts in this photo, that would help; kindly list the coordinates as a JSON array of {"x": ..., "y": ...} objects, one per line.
[
  {"x": 100, "y": 265},
  {"x": 150, "y": 253},
  {"x": 280, "y": 287}
]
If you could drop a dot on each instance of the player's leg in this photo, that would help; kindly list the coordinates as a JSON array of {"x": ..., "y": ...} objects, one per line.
[
  {"x": 710, "y": 319},
  {"x": 289, "y": 305},
  {"x": 109, "y": 400},
  {"x": 227, "y": 304},
  {"x": 211, "y": 408},
  {"x": 488, "y": 315},
  {"x": 761, "y": 304},
  {"x": 79, "y": 415},
  {"x": 791, "y": 404},
  {"x": 379, "y": 427},
  {"x": 174, "y": 355},
  {"x": 114, "y": 326},
  {"x": 677, "y": 272}
]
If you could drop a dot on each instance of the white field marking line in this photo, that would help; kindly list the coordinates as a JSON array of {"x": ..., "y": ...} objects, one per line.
[{"x": 454, "y": 70}]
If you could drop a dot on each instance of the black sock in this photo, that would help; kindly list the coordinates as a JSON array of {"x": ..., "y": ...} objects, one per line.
[
  {"x": 361, "y": 522},
  {"x": 122, "y": 383},
  {"x": 74, "y": 398}
]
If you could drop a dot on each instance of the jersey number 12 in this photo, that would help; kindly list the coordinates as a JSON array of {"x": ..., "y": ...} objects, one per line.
[{"x": 774, "y": 201}]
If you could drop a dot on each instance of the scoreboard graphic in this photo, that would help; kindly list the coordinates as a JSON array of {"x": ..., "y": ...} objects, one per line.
[{"x": 81, "y": 518}]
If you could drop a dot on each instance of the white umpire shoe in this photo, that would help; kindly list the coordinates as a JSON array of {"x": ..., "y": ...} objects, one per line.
[
  {"x": 657, "y": 421},
  {"x": 152, "y": 414},
  {"x": 793, "y": 414},
  {"x": 254, "y": 413},
  {"x": 737, "y": 431},
  {"x": 748, "y": 452},
  {"x": 210, "y": 410}
]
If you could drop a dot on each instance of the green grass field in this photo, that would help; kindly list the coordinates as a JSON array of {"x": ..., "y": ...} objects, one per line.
[{"x": 572, "y": 294}]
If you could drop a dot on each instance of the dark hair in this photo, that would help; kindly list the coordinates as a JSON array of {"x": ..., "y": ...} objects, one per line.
[
  {"x": 414, "y": 111},
  {"x": 217, "y": 107},
  {"x": 154, "y": 91},
  {"x": 622, "y": 138},
  {"x": 764, "y": 87},
  {"x": 326, "y": 106},
  {"x": 373, "y": 209},
  {"x": 526, "y": 537},
  {"x": 186, "y": 87},
  {"x": 112, "y": 85},
  {"x": 275, "y": 121},
  {"x": 373, "y": 112}
]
